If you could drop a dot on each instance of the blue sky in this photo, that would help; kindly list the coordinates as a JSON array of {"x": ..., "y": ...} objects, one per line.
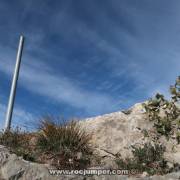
[{"x": 87, "y": 57}]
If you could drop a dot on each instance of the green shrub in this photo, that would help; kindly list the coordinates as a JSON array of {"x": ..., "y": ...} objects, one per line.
[
  {"x": 148, "y": 158},
  {"x": 169, "y": 122},
  {"x": 148, "y": 153},
  {"x": 63, "y": 142},
  {"x": 175, "y": 90}
]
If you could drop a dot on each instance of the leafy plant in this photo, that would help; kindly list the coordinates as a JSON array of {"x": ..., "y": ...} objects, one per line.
[
  {"x": 164, "y": 113},
  {"x": 175, "y": 90},
  {"x": 148, "y": 158},
  {"x": 148, "y": 153}
]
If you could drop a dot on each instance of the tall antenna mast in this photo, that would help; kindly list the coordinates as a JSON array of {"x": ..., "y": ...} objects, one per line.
[{"x": 14, "y": 85}]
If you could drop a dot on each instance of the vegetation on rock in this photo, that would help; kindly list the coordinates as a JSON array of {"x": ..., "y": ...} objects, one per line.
[
  {"x": 166, "y": 117},
  {"x": 18, "y": 142},
  {"x": 164, "y": 113},
  {"x": 147, "y": 158},
  {"x": 64, "y": 145},
  {"x": 67, "y": 146}
]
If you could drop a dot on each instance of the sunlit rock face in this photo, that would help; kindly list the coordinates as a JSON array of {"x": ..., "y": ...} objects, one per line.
[{"x": 118, "y": 131}]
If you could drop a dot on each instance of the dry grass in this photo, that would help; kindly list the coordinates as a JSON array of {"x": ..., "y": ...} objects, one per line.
[
  {"x": 18, "y": 142},
  {"x": 63, "y": 145},
  {"x": 66, "y": 145}
]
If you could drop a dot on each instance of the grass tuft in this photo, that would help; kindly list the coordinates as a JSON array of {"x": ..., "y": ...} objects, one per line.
[{"x": 66, "y": 144}]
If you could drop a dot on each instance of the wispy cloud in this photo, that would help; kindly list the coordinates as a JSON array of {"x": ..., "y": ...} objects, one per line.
[
  {"x": 90, "y": 56},
  {"x": 38, "y": 77},
  {"x": 29, "y": 121},
  {"x": 150, "y": 64}
]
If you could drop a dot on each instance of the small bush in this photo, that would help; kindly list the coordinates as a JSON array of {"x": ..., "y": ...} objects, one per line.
[
  {"x": 63, "y": 143},
  {"x": 175, "y": 90},
  {"x": 148, "y": 158},
  {"x": 168, "y": 123},
  {"x": 148, "y": 153}
]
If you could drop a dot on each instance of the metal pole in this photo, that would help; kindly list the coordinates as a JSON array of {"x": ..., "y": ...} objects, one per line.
[{"x": 14, "y": 85}]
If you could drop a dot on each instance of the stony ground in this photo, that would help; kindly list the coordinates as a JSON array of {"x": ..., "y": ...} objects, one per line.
[{"x": 15, "y": 168}]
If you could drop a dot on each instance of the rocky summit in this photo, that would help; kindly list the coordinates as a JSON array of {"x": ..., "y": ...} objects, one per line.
[{"x": 112, "y": 135}]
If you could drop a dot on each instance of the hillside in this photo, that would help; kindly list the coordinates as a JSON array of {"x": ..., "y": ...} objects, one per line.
[{"x": 113, "y": 135}]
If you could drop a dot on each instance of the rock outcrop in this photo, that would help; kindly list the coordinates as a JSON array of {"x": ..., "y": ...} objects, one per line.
[
  {"x": 116, "y": 132},
  {"x": 112, "y": 134}
]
